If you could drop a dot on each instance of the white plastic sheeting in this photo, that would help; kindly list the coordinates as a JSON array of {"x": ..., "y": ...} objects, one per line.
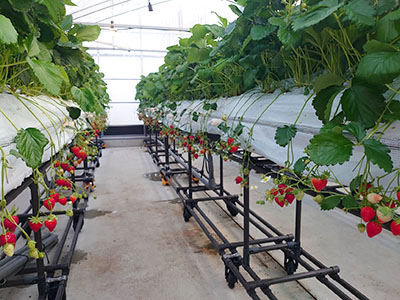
[
  {"x": 283, "y": 109},
  {"x": 53, "y": 116}
]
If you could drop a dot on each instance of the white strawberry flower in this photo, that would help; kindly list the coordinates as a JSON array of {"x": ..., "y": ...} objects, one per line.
[
  {"x": 215, "y": 122},
  {"x": 254, "y": 187},
  {"x": 265, "y": 179}
]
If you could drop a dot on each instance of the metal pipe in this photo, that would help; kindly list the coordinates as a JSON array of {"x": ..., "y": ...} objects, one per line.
[
  {"x": 12, "y": 265},
  {"x": 246, "y": 213},
  {"x": 298, "y": 222},
  {"x": 38, "y": 239}
]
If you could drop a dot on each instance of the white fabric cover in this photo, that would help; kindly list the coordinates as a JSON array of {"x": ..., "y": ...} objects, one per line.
[
  {"x": 22, "y": 118},
  {"x": 283, "y": 111}
]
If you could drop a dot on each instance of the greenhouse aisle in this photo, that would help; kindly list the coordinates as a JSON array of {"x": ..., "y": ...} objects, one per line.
[{"x": 135, "y": 244}]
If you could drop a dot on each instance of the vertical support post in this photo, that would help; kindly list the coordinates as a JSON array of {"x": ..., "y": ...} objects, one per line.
[
  {"x": 190, "y": 194},
  {"x": 298, "y": 222},
  {"x": 156, "y": 144},
  {"x": 166, "y": 146},
  {"x": 246, "y": 213},
  {"x": 35, "y": 201},
  {"x": 221, "y": 175}
]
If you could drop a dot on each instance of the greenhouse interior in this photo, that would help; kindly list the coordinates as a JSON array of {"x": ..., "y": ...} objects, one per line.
[{"x": 186, "y": 149}]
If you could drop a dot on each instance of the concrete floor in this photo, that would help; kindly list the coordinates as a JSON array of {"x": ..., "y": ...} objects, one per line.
[{"x": 135, "y": 244}]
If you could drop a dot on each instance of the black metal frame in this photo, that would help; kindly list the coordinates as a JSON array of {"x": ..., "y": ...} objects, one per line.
[
  {"x": 165, "y": 156},
  {"x": 51, "y": 279}
]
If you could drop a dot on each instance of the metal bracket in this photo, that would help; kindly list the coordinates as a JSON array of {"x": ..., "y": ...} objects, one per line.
[{"x": 56, "y": 279}]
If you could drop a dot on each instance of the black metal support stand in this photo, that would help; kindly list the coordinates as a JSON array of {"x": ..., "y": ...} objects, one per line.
[
  {"x": 50, "y": 282},
  {"x": 236, "y": 264}
]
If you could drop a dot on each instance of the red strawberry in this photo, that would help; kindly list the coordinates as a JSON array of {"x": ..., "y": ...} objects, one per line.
[
  {"x": 82, "y": 154},
  {"x": 64, "y": 166},
  {"x": 56, "y": 164},
  {"x": 273, "y": 192},
  {"x": 319, "y": 183},
  {"x": 395, "y": 227},
  {"x": 398, "y": 196},
  {"x": 196, "y": 156},
  {"x": 35, "y": 223},
  {"x": 393, "y": 205},
  {"x": 73, "y": 198},
  {"x": 289, "y": 198},
  {"x": 51, "y": 223},
  {"x": 67, "y": 184},
  {"x": 238, "y": 179},
  {"x": 234, "y": 148},
  {"x": 75, "y": 150},
  {"x": 60, "y": 181},
  {"x": 10, "y": 225},
  {"x": 63, "y": 200},
  {"x": 71, "y": 170},
  {"x": 8, "y": 238},
  {"x": 367, "y": 213},
  {"x": 54, "y": 195},
  {"x": 281, "y": 188},
  {"x": 280, "y": 202},
  {"x": 230, "y": 141},
  {"x": 373, "y": 229},
  {"x": 49, "y": 203}
]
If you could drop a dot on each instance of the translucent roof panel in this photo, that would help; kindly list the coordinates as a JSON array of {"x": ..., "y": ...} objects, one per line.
[{"x": 136, "y": 43}]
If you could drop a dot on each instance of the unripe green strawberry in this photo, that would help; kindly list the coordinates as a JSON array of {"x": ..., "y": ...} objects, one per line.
[
  {"x": 299, "y": 194},
  {"x": 8, "y": 249},
  {"x": 34, "y": 253},
  {"x": 69, "y": 213},
  {"x": 361, "y": 227},
  {"x": 31, "y": 244},
  {"x": 41, "y": 254},
  {"x": 318, "y": 199}
]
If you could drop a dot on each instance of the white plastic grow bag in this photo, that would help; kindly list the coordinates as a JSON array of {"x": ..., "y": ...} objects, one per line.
[
  {"x": 53, "y": 118},
  {"x": 283, "y": 111}
]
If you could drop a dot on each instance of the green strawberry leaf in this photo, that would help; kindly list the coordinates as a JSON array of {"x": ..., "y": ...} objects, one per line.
[
  {"x": 356, "y": 129},
  {"x": 355, "y": 183},
  {"x": 361, "y": 12},
  {"x": 330, "y": 148},
  {"x": 258, "y": 32},
  {"x": 30, "y": 143},
  {"x": 349, "y": 202},
  {"x": 373, "y": 46},
  {"x": 288, "y": 37},
  {"x": 315, "y": 15},
  {"x": 380, "y": 67},
  {"x": 88, "y": 33},
  {"x": 8, "y": 34},
  {"x": 21, "y": 5},
  {"x": 49, "y": 74},
  {"x": 300, "y": 165},
  {"x": 331, "y": 202},
  {"x": 285, "y": 134},
  {"x": 84, "y": 97},
  {"x": 363, "y": 104},
  {"x": 378, "y": 154},
  {"x": 323, "y": 101},
  {"x": 326, "y": 80},
  {"x": 276, "y": 21}
]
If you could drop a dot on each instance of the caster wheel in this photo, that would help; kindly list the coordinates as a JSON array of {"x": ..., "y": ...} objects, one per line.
[
  {"x": 186, "y": 214},
  {"x": 290, "y": 266},
  {"x": 232, "y": 210},
  {"x": 195, "y": 179},
  {"x": 230, "y": 279},
  {"x": 97, "y": 164},
  {"x": 52, "y": 292}
]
